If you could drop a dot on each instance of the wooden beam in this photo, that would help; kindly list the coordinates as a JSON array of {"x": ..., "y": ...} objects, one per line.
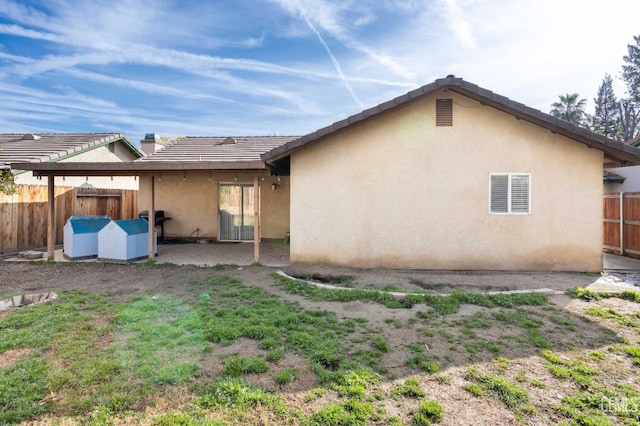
[
  {"x": 137, "y": 167},
  {"x": 256, "y": 220},
  {"x": 152, "y": 218},
  {"x": 51, "y": 225}
]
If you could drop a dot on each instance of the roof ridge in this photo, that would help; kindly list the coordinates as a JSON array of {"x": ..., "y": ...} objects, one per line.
[{"x": 617, "y": 150}]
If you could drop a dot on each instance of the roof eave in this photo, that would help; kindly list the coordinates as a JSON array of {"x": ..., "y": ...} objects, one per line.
[
  {"x": 615, "y": 151},
  {"x": 135, "y": 168}
]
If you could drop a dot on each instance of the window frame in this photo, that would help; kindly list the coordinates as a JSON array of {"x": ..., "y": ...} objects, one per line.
[{"x": 510, "y": 206}]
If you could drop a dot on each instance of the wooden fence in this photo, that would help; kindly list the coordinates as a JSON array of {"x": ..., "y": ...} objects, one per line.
[
  {"x": 622, "y": 223},
  {"x": 24, "y": 216}
]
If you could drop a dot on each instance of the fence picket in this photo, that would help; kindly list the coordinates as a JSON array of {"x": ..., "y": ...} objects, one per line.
[
  {"x": 629, "y": 230},
  {"x": 23, "y": 216}
]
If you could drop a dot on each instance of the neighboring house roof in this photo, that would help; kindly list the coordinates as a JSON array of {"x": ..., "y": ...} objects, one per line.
[
  {"x": 610, "y": 177},
  {"x": 614, "y": 151},
  {"x": 217, "y": 149},
  {"x": 634, "y": 141},
  {"x": 187, "y": 154},
  {"x": 54, "y": 147}
]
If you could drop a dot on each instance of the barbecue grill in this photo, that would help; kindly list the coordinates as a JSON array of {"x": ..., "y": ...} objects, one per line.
[{"x": 159, "y": 219}]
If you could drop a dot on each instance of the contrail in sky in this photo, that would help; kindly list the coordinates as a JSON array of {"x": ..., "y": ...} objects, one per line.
[{"x": 335, "y": 64}]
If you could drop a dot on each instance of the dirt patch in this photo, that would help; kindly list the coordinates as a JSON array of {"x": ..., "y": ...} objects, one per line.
[{"x": 10, "y": 357}]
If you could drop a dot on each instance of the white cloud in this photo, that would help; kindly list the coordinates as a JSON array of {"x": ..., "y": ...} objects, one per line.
[
  {"x": 458, "y": 23},
  {"x": 263, "y": 65}
]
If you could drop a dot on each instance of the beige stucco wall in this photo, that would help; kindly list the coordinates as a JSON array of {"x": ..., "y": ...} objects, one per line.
[
  {"x": 191, "y": 201},
  {"x": 99, "y": 154},
  {"x": 398, "y": 192}
]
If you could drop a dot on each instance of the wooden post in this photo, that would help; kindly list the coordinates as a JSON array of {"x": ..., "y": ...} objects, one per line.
[
  {"x": 152, "y": 218},
  {"x": 51, "y": 226},
  {"x": 256, "y": 220},
  {"x": 622, "y": 223}
]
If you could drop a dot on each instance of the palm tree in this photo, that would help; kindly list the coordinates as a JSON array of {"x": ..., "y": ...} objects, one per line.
[{"x": 570, "y": 108}]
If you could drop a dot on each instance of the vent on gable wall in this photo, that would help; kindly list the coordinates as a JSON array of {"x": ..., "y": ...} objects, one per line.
[{"x": 444, "y": 112}]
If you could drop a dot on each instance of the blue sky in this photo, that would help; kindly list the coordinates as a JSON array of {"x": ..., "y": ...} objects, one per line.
[{"x": 285, "y": 67}]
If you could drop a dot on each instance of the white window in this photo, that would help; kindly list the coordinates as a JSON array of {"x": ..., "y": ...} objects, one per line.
[{"x": 510, "y": 193}]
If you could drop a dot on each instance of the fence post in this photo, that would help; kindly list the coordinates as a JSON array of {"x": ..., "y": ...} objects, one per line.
[{"x": 622, "y": 222}]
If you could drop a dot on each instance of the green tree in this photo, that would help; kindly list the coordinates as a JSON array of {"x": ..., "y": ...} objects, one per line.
[
  {"x": 570, "y": 108},
  {"x": 630, "y": 108},
  {"x": 7, "y": 183},
  {"x": 629, "y": 118},
  {"x": 606, "y": 119},
  {"x": 631, "y": 69}
]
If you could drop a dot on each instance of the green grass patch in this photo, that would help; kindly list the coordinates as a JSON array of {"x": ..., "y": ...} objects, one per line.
[
  {"x": 36, "y": 326},
  {"x": 67, "y": 333},
  {"x": 563, "y": 368},
  {"x": 354, "y": 383},
  {"x": 160, "y": 338},
  {"x": 443, "y": 305},
  {"x": 234, "y": 395},
  {"x": 239, "y": 366},
  {"x": 609, "y": 313},
  {"x": 236, "y": 311},
  {"x": 352, "y": 412},
  {"x": 474, "y": 389},
  {"x": 409, "y": 389},
  {"x": 423, "y": 363},
  {"x": 189, "y": 418},
  {"x": 512, "y": 395},
  {"x": 586, "y": 294},
  {"x": 275, "y": 355},
  {"x": 634, "y": 353},
  {"x": 21, "y": 387},
  {"x": 225, "y": 266},
  {"x": 379, "y": 344},
  {"x": 286, "y": 376},
  {"x": 314, "y": 394},
  {"x": 428, "y": 413}
]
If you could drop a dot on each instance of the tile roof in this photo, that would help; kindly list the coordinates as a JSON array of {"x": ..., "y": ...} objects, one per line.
[
  {"x": 52, "y": 147},
  {"x": 214, "y": 149},
  {"x": 614, "y": 150},
  {"x": 634, "y": 141},
  {"x": 610, "y": 177}
]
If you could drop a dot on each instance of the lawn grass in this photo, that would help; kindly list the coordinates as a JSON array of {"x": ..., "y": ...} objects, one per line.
[{"x": 109, "y": 358}]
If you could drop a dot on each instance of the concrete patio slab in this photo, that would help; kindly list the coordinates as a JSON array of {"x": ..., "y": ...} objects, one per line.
[{"x": 616, "y": 263}]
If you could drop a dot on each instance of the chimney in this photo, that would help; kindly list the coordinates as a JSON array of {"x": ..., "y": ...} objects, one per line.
[
  {"x": 150, "y": 143},
  {"x": 30, "y": 137}
]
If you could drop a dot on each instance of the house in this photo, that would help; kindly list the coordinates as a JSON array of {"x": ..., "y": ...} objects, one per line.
[
  {"x": 69, "y": 147},
  {"x": 449, "y": 176},
  {"x": 199, "y": 182},
  {"x": 219, "y": 201}
]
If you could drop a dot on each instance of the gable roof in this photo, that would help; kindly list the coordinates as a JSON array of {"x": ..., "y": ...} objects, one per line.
[
  {"x": 614, "y": 151},
  {"x": 53, "y": 147}
]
